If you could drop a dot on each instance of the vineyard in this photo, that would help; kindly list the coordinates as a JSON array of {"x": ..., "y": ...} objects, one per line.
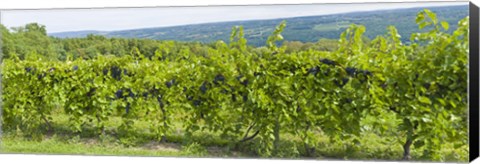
[{"x": 415, "y": 94}]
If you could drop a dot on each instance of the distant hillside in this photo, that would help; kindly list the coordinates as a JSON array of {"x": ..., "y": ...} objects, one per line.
[
  {"x": 77, "y": 34},
  {"x": 305, "y": 29}
]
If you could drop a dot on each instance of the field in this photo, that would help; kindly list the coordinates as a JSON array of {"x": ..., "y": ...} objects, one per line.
[
  {"x": 332, "y": 26},
  {"x": 366, "y": 99}
]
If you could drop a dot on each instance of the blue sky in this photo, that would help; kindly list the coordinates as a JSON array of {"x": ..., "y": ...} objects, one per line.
[{"x": 132, "y": 18}]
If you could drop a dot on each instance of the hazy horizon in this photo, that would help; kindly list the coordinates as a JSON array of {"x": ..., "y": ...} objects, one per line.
[{"x": 69, "y": 20}]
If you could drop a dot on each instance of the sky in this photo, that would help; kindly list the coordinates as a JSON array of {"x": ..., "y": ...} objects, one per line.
[{"x": 113, "y": 19}]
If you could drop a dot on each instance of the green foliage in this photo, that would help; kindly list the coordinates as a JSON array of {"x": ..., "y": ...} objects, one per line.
[
  {"x": 194, "y": 149},
  {"x": 245, "y": 94}
]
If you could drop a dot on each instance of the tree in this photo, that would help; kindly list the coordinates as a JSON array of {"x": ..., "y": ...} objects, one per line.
[{"x": 35, "y": 27}]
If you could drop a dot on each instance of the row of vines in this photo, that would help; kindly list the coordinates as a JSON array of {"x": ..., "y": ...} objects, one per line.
[{"x": 244, "y": 95}]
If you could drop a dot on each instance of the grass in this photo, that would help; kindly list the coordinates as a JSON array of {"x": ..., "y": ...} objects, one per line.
[
  {"x": 206, "y": 144},
  {"x": 56, "y": 145},
  {"x": 372, "y": 148}
]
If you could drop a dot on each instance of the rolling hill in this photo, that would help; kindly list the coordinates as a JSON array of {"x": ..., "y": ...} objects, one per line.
[{"x": 304, "y": 29}]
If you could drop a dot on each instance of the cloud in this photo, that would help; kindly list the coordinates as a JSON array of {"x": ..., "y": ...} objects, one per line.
[{"x": 130, "y": 18}]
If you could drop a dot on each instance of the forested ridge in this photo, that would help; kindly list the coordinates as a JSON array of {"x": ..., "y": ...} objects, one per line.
[{"x": 307, "y": 29}]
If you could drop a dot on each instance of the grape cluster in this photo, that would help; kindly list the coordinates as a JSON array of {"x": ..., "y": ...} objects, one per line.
[
  {"x": 75, "y": 68},
  {"x": 219, "y": 78},
  {"x": 314, "y": 71},
  {"x": 328, "y": 62},
  {"x": 203, "y": 87},
  {"x": 170, "y": 83},
  {"x": 41, "y": 76},
  {"x": 341, "y": 83},
  {"x": 351, "y": 71},
  {"x": 30, "y": 70},
  {"x": 116, "y": 73},
  {"x": 197, "y": 102},
  {"x": 355, "y": 71},
  {"x": 119, "y": 94},
  {"x": 243, "y": 82}
]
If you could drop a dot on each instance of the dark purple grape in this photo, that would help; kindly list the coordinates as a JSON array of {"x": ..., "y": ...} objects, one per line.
[
  {"x": 314, "y": 70},
  {"x": 130, "y": 93},
  {"x": 105, "y": 72},
  {"x": 367, "y": 73},
  {"x": 384, "y": 85},
  {"x": 197, "y": 102},
  {"x": 245, "y": 82},
  {"x": 116, "y": 72},
  {"x": 426, "y": 85},
  {"x": 162, "y": 105},
  {"x": 40, "y": 77},
  {"x": 75, "y": 68},
  {"x": 127, "y": 109},
  {"x": 326, "y": 72},
  {"x": 203, "y": 88},
  {"x": 119, "y": 94},
  {"x": 328, "y": 62},
  {"x": 189, "y": 97},
  {"x": 337, "y": 83},
  {"x": 351, "y": 71},
  {"x": 168, "y": 84},
  {"x": 348, "y": 100},
  {"x": 28, "y": 69},
  {"x": 342, "y": 82},
  {"x": 160, "y": 101},
  {"x": 219, "y": 78},
  {"x": 153, "y": 91},
  {"x": 345, "y": 80}
]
